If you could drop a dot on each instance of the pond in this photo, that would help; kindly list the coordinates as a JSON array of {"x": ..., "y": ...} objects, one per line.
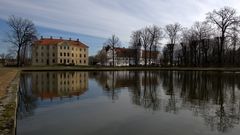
[{"x": 129, "y": 103}]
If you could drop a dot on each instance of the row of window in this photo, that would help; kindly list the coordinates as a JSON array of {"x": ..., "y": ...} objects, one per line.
[
  {"x": 61, "y": 54},
  {"x": 68, "y": 61},
  {"x": 62, "y": 61},
  {"x": 68, "y": 48},
  {"x": 68, "y": 54},
  {"x": 61, "y": 47}
]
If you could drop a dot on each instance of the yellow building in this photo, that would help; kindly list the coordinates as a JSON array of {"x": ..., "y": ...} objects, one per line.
[{"x": 49, "y": 51}]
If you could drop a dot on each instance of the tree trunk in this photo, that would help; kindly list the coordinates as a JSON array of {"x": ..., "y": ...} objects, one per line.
[
  {"x": 18, "y": 55},
  {"x": 145, "y": 56}
]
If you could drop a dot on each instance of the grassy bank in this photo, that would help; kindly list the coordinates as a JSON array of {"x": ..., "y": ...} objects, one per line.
[{"x": 9, "y": 81}]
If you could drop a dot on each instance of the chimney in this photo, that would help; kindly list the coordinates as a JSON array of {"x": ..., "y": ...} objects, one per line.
[
  {"x": 70, "y": 39},
  {"x": 78, "y": 39},
  {"x": 60, "y": 37},
  {"x": 50, "y": 37},
  {"x": 41, "y": 37}
]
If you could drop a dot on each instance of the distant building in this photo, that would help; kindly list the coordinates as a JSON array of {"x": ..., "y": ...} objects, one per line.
[
  {"x": 49, "y": 51},
  {"x": 130, "y": 57}
]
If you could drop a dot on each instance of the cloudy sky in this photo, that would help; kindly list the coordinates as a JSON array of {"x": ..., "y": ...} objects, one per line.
[{"x": 95, "y": 20}]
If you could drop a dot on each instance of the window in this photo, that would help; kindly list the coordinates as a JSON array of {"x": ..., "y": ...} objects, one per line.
[
  {"x": 68, "y": 54},
  {"x": 72, "y": 55},
  {"x": 80, "y": 49},
  {"x": 64, "y": 47},
  {"x": 72, "y": 61},
  {"x": 64, "y": 54},
  {"x": 60, "y": 47},
  {"x": 68, "y": 60},
  {"x": 84, "y": 50},
  {"x": 84, "y": 55},
  {"x": 80, "y": 55},
  {"x": 68, "y": 47},
  {"x": 80, "y": 61},
  {"x": 42, "y": 53},
  {"x": 84, "y": 61},
  {"x": 42, "y": 60},
  {"x": 42, "y": 47},
  {"x": 36, "y": 54},
  {"x": 53, "y": 61},
  {"x": 36, "y": 60},
  {"x": 73, "y": 48},
  {"x": 60, "y": 54},
  {"x": 60, "y": 60}
]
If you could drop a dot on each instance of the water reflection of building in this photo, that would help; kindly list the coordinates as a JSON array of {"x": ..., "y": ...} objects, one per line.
[{"x": 48, "y": 85}]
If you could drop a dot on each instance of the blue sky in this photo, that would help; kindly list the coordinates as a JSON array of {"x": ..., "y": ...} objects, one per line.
[
  {"x": 95, "y": 43},
  {"x": 92, "y": 21}
]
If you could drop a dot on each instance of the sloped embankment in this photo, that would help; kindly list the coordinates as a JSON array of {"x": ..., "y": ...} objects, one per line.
[{"x": 9, "y": 82}]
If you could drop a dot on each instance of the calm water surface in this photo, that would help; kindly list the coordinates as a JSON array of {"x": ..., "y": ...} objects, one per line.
[{"x": 129, "y": 103}]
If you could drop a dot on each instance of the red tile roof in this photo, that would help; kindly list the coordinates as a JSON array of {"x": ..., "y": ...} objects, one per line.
[
  {"x": 125, "y": 52},
  {"x": 154, "y": 54},
  {"x": 51, "y": 41}
]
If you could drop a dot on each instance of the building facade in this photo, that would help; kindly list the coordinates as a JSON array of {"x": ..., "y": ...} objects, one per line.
[
  {"x": 132, "y": 57},
  {"x": 49, "y": 51}
]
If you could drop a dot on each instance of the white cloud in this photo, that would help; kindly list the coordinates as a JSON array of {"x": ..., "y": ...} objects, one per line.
[{"x": 105, "y": 17}]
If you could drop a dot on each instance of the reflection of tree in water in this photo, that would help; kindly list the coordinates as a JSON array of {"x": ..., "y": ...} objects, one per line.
[
  {"x": 209, "y": 95},
  {"x": 107, "y": 80},
  {"x": 150, "y": 99},
  {"x": 27, "y": 102},
  {"x": 168, "y": 86}
]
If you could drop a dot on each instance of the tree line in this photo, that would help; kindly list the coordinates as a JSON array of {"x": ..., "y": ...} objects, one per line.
[{"x": 211, "y": 42}]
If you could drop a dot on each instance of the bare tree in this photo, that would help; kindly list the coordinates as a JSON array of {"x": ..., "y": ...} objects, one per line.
[
  {"x": 223, "y": 19},
  {"x": 112, "y": 43},
  {"x": 22, "y": 33},
  {"x": 234, "y": 41},
  {"x": 172, "y": 33},
  {"x": 156, "y": 34},
  {"x": 102, "y": 56},
  {"x": 135, "y": 43},
  {"x": 202, "y": 32},
  {"x": 2, "y": 58},
  {"x": 145, "y": 38}
]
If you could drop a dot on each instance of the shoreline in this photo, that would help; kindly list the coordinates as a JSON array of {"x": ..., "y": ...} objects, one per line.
[{"x": 68, "y": 68}]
